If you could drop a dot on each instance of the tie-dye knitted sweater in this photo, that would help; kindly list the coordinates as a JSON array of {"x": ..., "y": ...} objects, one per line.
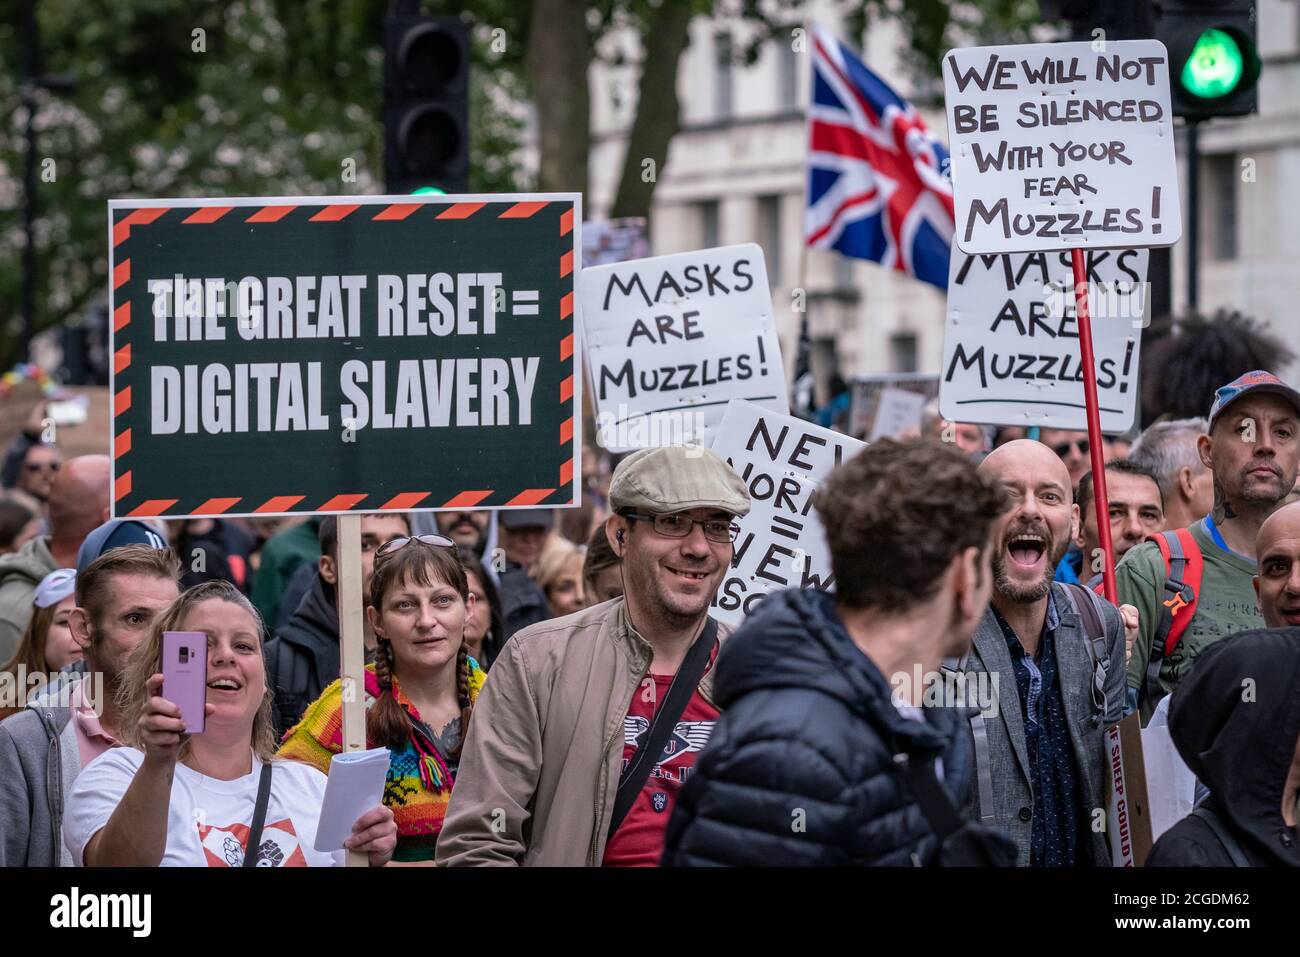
[{"x": 419, "y": 777}]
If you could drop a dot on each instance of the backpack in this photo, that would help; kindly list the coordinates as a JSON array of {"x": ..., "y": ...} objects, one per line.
[
  {"x": 1184, "y": 564},
  {"x": 1088, "y": 606}
]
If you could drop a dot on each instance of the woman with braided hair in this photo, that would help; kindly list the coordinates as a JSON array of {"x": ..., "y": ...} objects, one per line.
[{"x": 419, "y": 693}]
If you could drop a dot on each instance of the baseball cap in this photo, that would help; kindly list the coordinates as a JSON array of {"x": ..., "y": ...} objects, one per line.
[
  {"x": 55, "y": 587},
  {"x": 676, "y": 478},
  {"x": 115, "y": 534},
  {"x": 1257, "y": 382},
  {"x": 526, "y": 518}
]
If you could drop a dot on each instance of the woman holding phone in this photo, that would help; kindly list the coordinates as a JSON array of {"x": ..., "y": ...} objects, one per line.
[
  {"x": 173, "y": 799},
  {"x": 419, "y": 692}
]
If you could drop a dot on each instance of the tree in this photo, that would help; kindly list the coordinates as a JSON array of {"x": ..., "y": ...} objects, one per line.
[{"x": 173, "y": 98}]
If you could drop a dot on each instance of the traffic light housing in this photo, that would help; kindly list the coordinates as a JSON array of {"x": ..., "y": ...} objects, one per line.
[
  {"x": 426, "y": 104},
  {"x": 1213, "y": 61}
]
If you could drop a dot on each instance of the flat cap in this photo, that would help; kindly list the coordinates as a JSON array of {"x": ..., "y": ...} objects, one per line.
[{"x": 676, "y": 478}]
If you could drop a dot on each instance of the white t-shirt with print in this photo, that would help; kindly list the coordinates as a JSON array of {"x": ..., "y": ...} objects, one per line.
[{"x": 208, "y": 820}]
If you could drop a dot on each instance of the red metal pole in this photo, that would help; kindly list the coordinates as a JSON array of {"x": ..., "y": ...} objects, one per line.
[{"x": 1101, "y": 502}]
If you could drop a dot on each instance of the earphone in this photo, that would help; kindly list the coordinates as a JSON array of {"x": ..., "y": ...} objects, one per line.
[{"x": 618, "y": 536}]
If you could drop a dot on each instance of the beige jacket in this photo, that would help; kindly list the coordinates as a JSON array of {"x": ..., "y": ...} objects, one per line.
[{"x": 542, "y": 759}]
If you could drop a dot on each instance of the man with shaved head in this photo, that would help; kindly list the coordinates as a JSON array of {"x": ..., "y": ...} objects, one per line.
[
  {"x": 78, "y": 504},
  {"x": 1054, "y": 655},
  {"x": 1253, "y": 449},
  {"x": 1278, "y": 582}
]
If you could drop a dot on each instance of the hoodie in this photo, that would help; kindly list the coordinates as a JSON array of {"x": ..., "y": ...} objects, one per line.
[
  {"x": 20, "y": 573},
  {"x": 804, "y": 765},
  {"x": 1235, "y": 720},
  {"x": 303, "y": 659},
  {"x": 39, "y": 760}
]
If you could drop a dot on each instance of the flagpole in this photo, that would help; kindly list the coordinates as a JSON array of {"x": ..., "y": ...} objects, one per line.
[{"x": 803, "y": 349}]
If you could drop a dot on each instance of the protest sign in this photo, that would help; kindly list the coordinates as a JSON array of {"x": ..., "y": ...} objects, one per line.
[
  {"x": 867, "y": 391},
  {"x": 781, "y": 544},
  {"x": 898, "y": 412},
  {"x": 1011, "y": 342},
  {"x": 309, "y": 354},
  {"x": 1059, "y": 145},
  {"x": 1128, "y": 821},
  {"x": 671, "y": 340},
  {"x": 606, "y": 241}
]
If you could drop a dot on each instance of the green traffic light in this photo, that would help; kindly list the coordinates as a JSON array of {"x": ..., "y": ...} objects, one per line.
[
  {"x": 428, "y": 191},
  {"x": 1215, "y": 66}
]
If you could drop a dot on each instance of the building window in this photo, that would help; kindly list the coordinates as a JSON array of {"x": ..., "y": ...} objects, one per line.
[
  {"x": 787, "y": 71},
  {"x": 769, "y": 233},
  {"x": 709, "y": 234},
  {"x": 722, "y": 76},
  {"x": 1221, "y": 204},
  {"x": 902, "y": 347}
]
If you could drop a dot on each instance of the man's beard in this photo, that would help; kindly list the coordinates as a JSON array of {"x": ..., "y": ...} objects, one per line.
[
  {"x": 1251, "y": 493},
  {"x": 1027, "y": 594},
  {"x": 643, "y": 578}
]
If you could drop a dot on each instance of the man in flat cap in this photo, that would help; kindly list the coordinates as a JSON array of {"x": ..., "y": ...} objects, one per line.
[{"x": 589, "y": 724}]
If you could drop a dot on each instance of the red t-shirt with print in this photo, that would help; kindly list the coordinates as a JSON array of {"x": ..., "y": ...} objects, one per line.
[{"x": 639, "y": 840}]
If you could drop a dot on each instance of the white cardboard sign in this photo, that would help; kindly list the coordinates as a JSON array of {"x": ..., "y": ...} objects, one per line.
[
  {"x": 1062, "y": 145},
  {"x": 1011, "y": 339},
  {"x": 898, "y": 411},
  {"x": 781, "y": 460},
  {"x": 670, "y": 340}
]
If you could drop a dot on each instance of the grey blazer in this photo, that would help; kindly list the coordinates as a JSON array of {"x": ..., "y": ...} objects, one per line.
[{"x": 1005, "y": 755}]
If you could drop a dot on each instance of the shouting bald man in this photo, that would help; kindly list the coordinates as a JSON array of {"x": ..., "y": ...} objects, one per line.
[
  {"x": 1054, "y": 655},
  {"x": 1278, "y": 582},
  {"x": 78, "y": 504}
]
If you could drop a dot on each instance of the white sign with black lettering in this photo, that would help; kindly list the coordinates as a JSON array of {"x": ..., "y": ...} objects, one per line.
[
  {"x": 1011, "y": 341},
  {"x": 671, "y": 340},
  {"x": 1061, "y": 145},
  {"x": 781, "y": 544}
]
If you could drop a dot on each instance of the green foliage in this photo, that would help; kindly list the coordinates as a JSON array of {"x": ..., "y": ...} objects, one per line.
[
  {"x": 933, "y": 27},
  {"x": 272, "y": 97}
]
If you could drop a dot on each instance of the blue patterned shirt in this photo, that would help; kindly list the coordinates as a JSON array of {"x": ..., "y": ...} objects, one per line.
[{"x": 1059, "y": 818}]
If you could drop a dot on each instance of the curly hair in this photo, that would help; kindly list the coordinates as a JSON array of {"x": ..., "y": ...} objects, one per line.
[
  {"x": 1180, "y": 371},
  {"x": 896, "y": 515}
]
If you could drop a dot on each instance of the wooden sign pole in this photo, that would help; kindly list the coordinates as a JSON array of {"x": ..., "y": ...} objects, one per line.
[{"x": 352, "y": 639}]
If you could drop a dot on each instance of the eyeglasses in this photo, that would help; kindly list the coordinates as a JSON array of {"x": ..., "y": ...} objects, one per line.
[
  {"x": 677, "y": 525},
  {"x": 393, "y": 544},
  {"x": 1060, "y": 448}
]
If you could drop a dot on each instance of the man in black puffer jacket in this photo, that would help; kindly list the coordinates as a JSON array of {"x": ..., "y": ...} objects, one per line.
[{"x": 824, "y": 744}]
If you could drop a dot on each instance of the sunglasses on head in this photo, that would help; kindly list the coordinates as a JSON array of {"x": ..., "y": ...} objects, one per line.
[{"x": 393, "y": 544}]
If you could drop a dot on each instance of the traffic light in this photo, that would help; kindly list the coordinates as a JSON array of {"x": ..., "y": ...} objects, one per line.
[
  {"x": 426, "y": 104},
  {"x": 1213, "y": 62}
]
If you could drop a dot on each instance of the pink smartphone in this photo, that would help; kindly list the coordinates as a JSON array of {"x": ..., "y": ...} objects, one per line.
[{"x": 185, "y": 675}]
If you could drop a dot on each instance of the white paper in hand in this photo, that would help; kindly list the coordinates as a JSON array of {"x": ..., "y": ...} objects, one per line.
[{"x": 355, "y": 785}]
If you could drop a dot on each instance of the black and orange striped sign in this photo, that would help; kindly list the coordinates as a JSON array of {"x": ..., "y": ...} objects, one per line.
[{"x": 315, "y": 355}]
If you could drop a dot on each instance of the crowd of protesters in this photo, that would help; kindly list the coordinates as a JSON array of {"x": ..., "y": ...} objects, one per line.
[{"x": 551, "y": 687}]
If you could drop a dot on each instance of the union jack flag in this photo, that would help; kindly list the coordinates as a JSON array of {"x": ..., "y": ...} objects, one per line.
[{"x": 877, "y": 183}]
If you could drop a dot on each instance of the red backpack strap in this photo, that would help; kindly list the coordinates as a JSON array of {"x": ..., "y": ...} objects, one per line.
[
  {"x": 1192, "y": 573},
  {"x": 1184, "y": 566}
]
